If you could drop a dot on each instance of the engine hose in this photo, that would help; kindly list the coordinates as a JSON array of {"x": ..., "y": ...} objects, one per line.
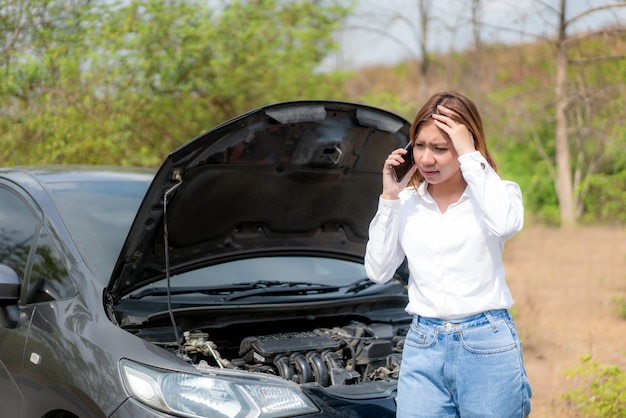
[{"x": 331, "y": 360}]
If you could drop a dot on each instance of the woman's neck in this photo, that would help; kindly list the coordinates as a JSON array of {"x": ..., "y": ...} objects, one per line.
[{"x": 447, "y": 193}]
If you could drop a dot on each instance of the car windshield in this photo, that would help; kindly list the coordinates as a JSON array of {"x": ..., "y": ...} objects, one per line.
[
  {"x": 99, "y": 213},
  {"x": 297, "y": 270}
]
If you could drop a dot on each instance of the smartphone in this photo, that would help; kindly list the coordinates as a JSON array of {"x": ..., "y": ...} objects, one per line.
[{"x": 400, "y": 171}]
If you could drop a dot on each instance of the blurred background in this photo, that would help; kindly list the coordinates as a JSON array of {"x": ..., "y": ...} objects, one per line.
[{"x": 127, "y": 81}]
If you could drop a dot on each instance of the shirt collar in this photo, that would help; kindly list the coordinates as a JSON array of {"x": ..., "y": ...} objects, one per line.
[{"x": 423, "y": 193}]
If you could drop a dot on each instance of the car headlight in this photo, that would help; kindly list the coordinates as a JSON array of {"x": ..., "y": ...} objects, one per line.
[{"x": 221, "y": 394}]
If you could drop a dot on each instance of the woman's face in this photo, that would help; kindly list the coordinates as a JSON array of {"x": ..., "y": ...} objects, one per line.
[{"x": 435, "y": 156}]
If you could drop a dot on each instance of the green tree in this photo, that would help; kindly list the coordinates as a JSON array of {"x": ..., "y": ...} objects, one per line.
[
  {"x": 41, "y": 70},
  {"x": 126, "y": 82},
  {"x": 574, "y": 103},
  {"x": 576, "y": 123}
]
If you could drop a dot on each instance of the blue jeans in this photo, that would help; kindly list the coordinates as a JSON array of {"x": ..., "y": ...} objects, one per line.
[{"x": 468, "y": 367}]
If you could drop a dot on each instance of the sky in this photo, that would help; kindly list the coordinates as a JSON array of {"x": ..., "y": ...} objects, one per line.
[{"x": 385, "y": 31}]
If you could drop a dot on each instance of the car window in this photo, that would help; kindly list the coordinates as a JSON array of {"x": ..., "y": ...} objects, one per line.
[
  {"x": 98, "y": 214},
  {"x": 17, "y": 229},
  {"x": 48, "y": 266}
]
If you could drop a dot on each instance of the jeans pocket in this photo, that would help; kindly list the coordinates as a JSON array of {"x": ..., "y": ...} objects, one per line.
[
  {"x": 487, "y": 340},
  {"x": 421, "y": 337}
]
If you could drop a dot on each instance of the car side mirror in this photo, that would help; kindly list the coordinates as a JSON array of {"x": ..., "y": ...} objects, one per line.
[{"x": 9, "y": 286}]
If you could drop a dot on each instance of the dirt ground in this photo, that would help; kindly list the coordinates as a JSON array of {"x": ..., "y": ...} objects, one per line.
[{"x": 565, "y": 284}]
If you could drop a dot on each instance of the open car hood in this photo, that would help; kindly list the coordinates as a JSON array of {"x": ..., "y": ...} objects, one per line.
[{"x": 295, "y": 177}]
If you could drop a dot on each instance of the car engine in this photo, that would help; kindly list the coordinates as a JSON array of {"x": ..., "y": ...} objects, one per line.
[{"x": 327, "y": 356}]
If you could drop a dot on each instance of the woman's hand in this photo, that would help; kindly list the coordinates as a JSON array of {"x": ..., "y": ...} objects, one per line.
[
  {"x": 391, "y": 187},
  {"x": 461, "y": 137}
]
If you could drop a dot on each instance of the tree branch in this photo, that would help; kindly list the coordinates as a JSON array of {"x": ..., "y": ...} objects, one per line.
[
  {"x": 385, "y": 33},
  {"x": 543, "y": 154},
  {"x": 604, "y": 32},
  {"x": 548, "y": 6},
  {"x": 592, "y": 10},
  {"x": 582, "y": 61},
  {"x": 514, "y": 30}
]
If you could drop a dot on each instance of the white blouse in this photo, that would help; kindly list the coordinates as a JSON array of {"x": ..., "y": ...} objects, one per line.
[{"x": 454, "y": 258}]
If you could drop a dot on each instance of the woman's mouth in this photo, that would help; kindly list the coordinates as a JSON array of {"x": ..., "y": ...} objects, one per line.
[{"x": 429, "y": 173}]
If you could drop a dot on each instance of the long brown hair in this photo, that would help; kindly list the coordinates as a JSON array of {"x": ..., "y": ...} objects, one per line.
[{"x": 465, "y": 112}]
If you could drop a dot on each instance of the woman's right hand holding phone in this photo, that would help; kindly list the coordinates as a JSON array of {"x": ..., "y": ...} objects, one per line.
[{"x": 392, "y": 187}]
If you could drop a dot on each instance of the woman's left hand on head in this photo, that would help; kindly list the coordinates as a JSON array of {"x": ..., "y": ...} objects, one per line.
[{"x": 461, "y": 137}]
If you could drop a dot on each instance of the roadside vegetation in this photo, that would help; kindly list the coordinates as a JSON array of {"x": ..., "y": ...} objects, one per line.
[
  {"x": 621, "y": 306},
  {"x": 126, "y": 82},
  {"x": 602, "y": 389}
]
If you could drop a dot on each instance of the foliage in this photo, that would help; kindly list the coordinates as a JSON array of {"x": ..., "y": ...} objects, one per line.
[
  {"x": 390, "y": 102},
  {"x": 126, "y": 82},
  {"x": 605, "y": 199},
  {"x": 603, "y": 390},
  {"x": 621, "y": 306},
  {"x": 521, "y": 163}
]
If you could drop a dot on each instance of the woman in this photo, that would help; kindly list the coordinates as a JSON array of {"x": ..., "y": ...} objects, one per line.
[{"x": 450, "y": 217}]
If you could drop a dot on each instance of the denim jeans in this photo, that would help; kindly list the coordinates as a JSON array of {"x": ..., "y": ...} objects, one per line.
[{"x": 468, "y": 367}]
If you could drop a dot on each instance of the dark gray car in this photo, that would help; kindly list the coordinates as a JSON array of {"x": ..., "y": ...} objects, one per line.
[{"x": 228, "y": 284}]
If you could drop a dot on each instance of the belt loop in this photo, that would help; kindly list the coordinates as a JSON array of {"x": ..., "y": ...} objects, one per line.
[{"x": 491, "y": 321}]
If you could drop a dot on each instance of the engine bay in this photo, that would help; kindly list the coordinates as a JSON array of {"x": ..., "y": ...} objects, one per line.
[
  {"x": 348, "y": 354},
  {"x": 327, "y": 356},
  {"x": 332, "y": 343}
]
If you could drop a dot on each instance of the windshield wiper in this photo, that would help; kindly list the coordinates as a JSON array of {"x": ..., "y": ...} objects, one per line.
[
  {"x": 283, "y": 288},
  {"x": 300, "y": 288},
  {"x": 245, "y": 289},
  {"x": 359, "y": 285}
]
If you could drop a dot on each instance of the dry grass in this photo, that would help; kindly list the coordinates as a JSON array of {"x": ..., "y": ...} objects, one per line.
[{"x": 565, "y": 284}]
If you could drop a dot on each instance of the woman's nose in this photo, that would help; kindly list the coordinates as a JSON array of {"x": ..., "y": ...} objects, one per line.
[{"x": 427, "y": 157}]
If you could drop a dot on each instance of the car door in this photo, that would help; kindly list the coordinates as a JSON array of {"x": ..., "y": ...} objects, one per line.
[{"x": 18, "y": 230}]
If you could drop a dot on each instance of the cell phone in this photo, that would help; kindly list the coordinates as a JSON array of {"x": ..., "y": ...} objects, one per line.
[{"x": 400, "y": 171}]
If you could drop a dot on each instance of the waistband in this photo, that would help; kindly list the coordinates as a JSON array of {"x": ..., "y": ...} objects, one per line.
[{"x": 473, "y": 321}]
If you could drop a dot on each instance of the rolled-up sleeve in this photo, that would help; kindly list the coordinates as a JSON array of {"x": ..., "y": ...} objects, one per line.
[
  {"x": 499, "y": 200},
  {"x": 383, "y": 253}
]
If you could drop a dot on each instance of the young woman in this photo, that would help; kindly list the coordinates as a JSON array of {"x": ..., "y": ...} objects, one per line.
[{"x": 450, "y": 217}]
